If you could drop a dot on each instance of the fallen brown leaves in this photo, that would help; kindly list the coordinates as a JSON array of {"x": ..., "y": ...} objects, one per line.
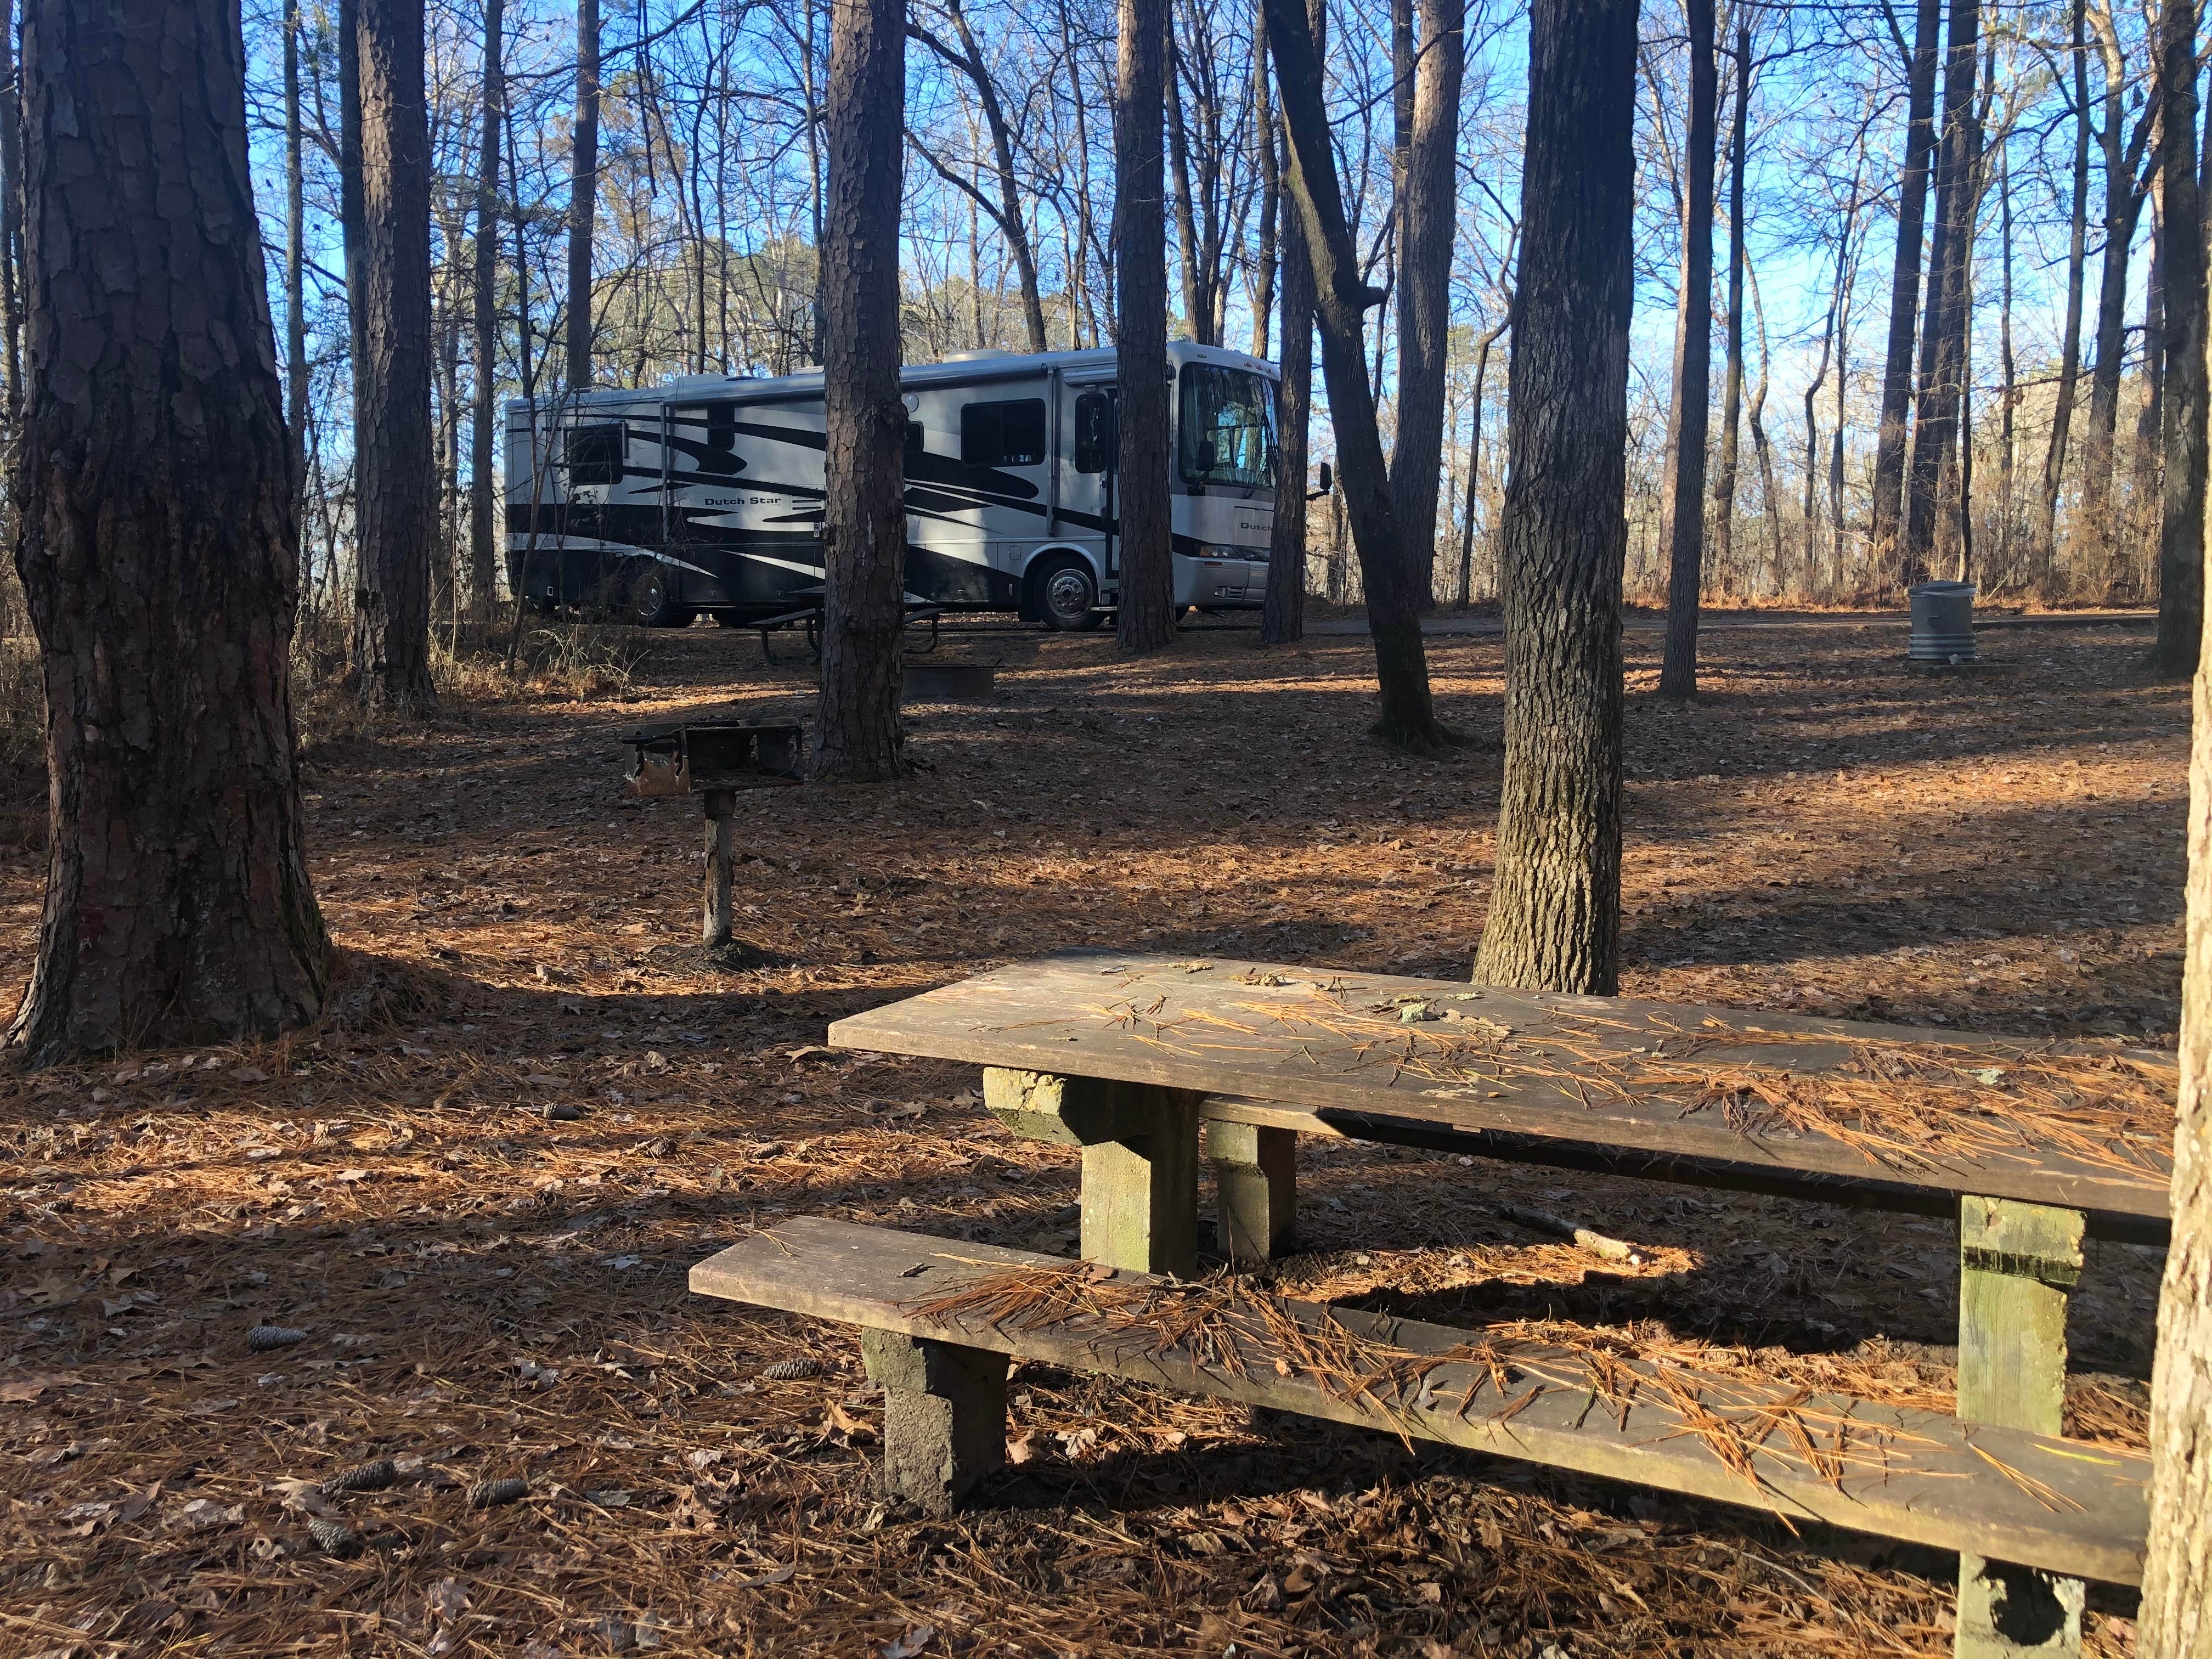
[{"x": 476, "y": 1188}]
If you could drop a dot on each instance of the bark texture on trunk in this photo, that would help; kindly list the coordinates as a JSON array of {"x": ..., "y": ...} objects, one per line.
[
  {"x": 1267, "y": 259},
  {"x": 295, "y": 258},
  {"x": 584, "y": 194},
  {"x": 2123, "y": 197},
  {"x": 1428, "y": 213},
  {"x": 395, "y": 505},
  {"x": 2176, "y": 1614},
  {"x": 160, "y": 554},
  {"x": 1943, "y": 333},
  {"x": 1554, "y": 921},
  {"x": 1883, "y": 552},
  {"x": 1341, "y": 300},
  {"x": 1682, "y": 498},
  {"x": 1145, "y": 619},
  {"x": 2185, "y": 398},
  {"x": 11, "y": 215},
  {"x": 857, "y": 736},
  {"x": 2043, "y": 533},
  {"x": 485, "y": 537}
]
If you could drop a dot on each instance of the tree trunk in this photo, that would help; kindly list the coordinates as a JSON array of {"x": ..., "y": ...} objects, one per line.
[
  {"x": 857, "y": 737},
  {"x": 2043, "y": 536},
  {"x": 1682, "y": 487},
  {"x": 2145, "y": 509},
  {"x": 349, "y": 195},
  {"x": 13, "y": 277},
  {"x": 1197, "y": 308},
  {"x": 296, "y": 261},
  {"x": 1428, "y": 213},
  {"x": 2175, "y": 1618},
  {"x": 2123, "y": 206},
  {"x": 2008, "y": 396},
  {"x": 1885, "y": 550},
  {"x": 2183, "y": 416},
  {"x": 584, "y": 194},
  {"x": 1340, "y": 297},
  {"x": 396, "y": 508},
  {"x": 1282, "y": 617},
  {"x": 1145, "y": 618},
  {"x": 160, "y": 553},
  {"x": 1473, "y": 492},
  {"x": 1268, "y": 258},
  {"x": 1724, "y": 475},
  {"x": 1754, "y": 413},
  {"x": 1554, "y": 921},
  {"x": 1943, "y": 334},
  {"x": 484, "y": 531}
]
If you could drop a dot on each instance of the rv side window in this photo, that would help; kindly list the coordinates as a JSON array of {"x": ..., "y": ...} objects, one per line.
[
  {"x": 721, "y": 426},
  {"x": 595, "y": 455},
  {"x": 1094, "y": 432},
  {"x": 1003, "y": 434},
  {"x": 913, "y": 437}
]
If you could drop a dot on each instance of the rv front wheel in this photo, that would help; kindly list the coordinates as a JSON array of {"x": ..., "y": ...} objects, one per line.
[
  {"x": 1068, "y": 597},
  {"x": 648, "y": 605}
]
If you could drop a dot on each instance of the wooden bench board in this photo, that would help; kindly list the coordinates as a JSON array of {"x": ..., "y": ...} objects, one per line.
[
  {"x": 2044, "y": 1502},
  {"x": 1250, "y": 1029}
]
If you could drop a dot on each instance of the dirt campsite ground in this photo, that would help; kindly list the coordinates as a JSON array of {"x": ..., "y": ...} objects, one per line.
[{"x": 477, "y": 1185}]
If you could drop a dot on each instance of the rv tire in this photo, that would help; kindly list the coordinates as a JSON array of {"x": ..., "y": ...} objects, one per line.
[
  {"x": 1065, "y": 594},
  {"x": 645, "y": 601}
]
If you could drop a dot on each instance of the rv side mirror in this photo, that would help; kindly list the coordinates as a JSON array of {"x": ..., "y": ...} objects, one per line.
[
  {"x": 1327, "y": 479},
  {"x": 1208, "y": 457}
]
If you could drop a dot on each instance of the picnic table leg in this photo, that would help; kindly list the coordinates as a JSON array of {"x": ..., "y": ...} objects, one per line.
[
  {"x": 944, "y": 1416},
  {"x": 1253, "y": 1173},
  {"x": 1140, "y": 1160},
  {"x": 721, "y": 839},
  {"x": 2017, "y": 1262}
]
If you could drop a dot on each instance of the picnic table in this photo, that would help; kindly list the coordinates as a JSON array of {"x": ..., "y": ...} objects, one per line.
[{"x": 1142, "y": 1062}]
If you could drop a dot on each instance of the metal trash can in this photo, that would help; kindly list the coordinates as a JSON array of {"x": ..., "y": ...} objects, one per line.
[{"x": 1942, "y": 622}]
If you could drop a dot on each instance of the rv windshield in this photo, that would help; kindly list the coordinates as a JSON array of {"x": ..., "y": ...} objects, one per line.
[{"x": 1234, "y": 411}]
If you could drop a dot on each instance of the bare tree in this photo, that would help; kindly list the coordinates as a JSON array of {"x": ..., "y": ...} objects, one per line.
[
  {"x": 1884, "y": 548},
  {"x": 2183, "y": 417},
  {"x": 583, "y": 194},
  {"x": 1146, "y": 620},
  {"x": 1427, "y": 216},
  {"x": 1943, "y": 333},
  {"x": 2043, "y": 535},
  {"x": 857, "y": 737},
  {"x": 1282, "y": 617},
  {"x": 1341, "y": 297},
  {"x": 1554, "y": 921},
  {"x": 161, "y": 555},
  {"x": 1682, "y": 500},
  {"x": 1724, "y": 473},
  {"x": 484, "y": 527},
  {"x": 396, "y": 509}
]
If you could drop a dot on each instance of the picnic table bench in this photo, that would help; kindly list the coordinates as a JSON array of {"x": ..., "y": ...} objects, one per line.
[{"x": 1141, "y": 1060}]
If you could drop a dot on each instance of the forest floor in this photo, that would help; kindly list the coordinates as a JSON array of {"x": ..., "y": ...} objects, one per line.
[{"x": 476, "y": 1187}]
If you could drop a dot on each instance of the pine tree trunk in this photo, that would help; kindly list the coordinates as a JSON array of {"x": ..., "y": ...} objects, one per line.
[
  {"x": 2185, "y": 400},
  {"x": 159, "y": 554},
  {"x": 584, "y": 194},
  {"x": 1427, "y": 215},
  {"x": 12, "y": 274},
  {"x": 1197, "y": 312},
  {"x": 1554, "y": 921},
  {"x": 1725, "y": 472},
  {"x": 1943, "y": 333},
  {"x": 2144, "y": 506},
  {"x": 1682, "y": 498},
  {"x": 296, "y": 308},
  {"x": 2175, "y": 1618},
  {"x": 1341, "y": 300},
  {"x": 1885, "y": 551},
  {"x": 1145, "y": 619},
  {"x": 396, "y": 508},
  {"x": 857, "y": 736},
  {"x": 2043, "y": 534},
  {"x": 484, "y": 530}
]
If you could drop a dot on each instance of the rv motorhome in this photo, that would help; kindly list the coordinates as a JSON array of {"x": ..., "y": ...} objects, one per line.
[{"x": 704, "y": 494}]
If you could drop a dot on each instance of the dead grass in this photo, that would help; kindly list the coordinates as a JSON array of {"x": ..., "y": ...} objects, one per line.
[{"x": 477, "y": 1185}]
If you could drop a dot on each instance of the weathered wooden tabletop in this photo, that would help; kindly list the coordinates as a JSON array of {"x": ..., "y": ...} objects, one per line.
[{"x": 2072, "y": 1125}]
